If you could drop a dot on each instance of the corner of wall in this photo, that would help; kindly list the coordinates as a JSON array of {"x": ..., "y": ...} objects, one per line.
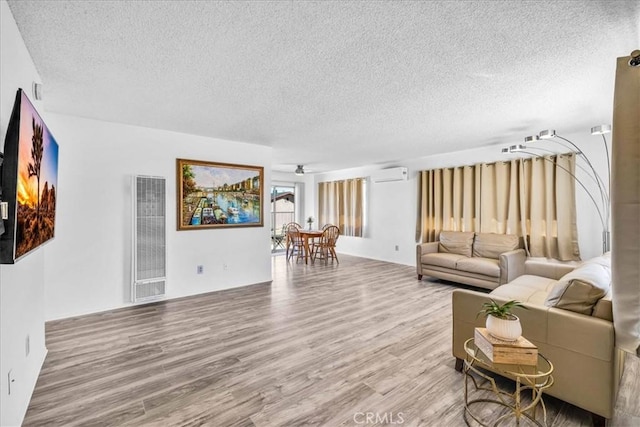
[{"x": 21, "y": 284}]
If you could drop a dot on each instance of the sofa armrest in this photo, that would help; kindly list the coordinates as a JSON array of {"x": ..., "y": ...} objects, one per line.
[
  {"x": 512, "y": 265},
  {"x": 427, "y": 248},
  {"x": 421, "y": 249},
  {"x": 564, "y": 329},
  {"x": 581, "y": 348},
  {"x": 466, "y": 304},
  {"x": 551, "y": 270}
]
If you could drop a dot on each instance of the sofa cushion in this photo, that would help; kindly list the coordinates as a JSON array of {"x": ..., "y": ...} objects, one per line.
[
  {"x": 537, "y": 283},
  {"x": 526, "y": 288},
  {"x": 456, "y": 242},
  {"x": 581, "y": 289},
  {"x": 486, "y": 266},
  {"x": 491, "y": 245},
  {"x": 441, "y": 260}
]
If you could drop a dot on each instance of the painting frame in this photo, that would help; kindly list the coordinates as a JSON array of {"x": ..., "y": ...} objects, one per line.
[{"x": 214, "y": 195}]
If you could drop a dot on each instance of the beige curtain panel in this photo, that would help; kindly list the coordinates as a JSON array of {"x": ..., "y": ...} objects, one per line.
[
  {"x": 625, "y": 207},
  {"x": 342, "y": 203},
  {"x": 533, "y": 198}
]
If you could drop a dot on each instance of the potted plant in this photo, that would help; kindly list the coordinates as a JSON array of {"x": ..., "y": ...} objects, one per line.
[
  {"x": 310, "y": 221},
  {"x": 501, "y": 323}
]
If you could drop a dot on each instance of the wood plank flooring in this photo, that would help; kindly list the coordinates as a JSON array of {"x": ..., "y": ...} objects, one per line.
[{"x": 323, "y": 345}]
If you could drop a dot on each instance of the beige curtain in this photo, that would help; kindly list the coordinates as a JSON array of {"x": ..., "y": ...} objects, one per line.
[
  {"x": 625, "y": 207},
  {"x": 342, "y": 203},
  {"x": 533, "y": 198}
]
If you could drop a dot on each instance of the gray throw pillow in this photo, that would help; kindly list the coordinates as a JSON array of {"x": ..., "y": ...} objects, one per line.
[{"x": 580, "y": 290}]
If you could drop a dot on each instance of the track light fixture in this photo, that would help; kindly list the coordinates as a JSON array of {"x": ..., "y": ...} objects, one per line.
[
  {"x": 547, "y": 134},
  {"x": 601, "y": 130}
]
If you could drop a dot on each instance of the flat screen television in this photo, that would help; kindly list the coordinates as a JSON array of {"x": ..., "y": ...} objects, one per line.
[{"x": 29, "y": 182}]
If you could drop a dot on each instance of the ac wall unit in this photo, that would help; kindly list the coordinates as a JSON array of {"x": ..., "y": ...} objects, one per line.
[
  {"x": 149, "y": 272},
  {"x": 391, "y": 174}
]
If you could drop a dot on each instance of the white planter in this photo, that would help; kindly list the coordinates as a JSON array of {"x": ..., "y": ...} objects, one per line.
[{"x": 504, "y": 329}]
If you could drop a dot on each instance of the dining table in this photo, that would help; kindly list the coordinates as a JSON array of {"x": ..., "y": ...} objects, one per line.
[{"x": 306, "y": 236}]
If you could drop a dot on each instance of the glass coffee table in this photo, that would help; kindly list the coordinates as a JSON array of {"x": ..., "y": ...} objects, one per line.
[{"x": 534, "y": 378}]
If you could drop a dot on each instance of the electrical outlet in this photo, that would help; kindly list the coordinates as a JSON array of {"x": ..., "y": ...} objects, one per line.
[
  {"x": 200, "y": 269},
  {"x": 10, "y": 379},
  {"x": 27, "y": 346},
  {"x": 397, "y": 248}
]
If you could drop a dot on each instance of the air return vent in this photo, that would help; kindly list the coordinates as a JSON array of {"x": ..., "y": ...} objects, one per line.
[{"x": 149, "y": 239}]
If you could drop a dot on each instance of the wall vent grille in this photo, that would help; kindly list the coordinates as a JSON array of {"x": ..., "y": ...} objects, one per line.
[{"x": 149, "y": 238}]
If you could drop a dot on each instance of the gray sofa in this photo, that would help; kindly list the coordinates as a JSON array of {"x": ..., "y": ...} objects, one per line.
[
  {"x": 569, "y": 319},
  {"x": 485, "y": 260}
]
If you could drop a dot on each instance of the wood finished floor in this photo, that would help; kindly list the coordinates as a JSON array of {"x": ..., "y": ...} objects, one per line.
[{"x": 317, "y": 346}]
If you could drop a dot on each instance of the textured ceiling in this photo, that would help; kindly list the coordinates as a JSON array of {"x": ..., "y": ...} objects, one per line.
[{"x": 334, "y": 84}]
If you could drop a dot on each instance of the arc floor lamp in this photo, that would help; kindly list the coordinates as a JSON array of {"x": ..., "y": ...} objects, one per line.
[{"x": 602, "y": 199}]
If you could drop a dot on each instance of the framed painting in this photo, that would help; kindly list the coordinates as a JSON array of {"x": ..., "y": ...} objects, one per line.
[{"x": 219, "y": 195}]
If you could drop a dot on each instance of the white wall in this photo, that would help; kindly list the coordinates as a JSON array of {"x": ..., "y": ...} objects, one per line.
[
  {"x": 21, "y": 284},
  {"x": 393, "y": 205},
  {"x": 90, "y": 269}
]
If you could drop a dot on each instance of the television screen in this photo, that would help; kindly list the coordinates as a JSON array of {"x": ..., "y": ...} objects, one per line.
[{"x": 29, "y": 182}]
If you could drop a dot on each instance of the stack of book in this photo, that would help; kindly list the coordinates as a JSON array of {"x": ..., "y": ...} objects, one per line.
[{"x": 518, "y": 352}]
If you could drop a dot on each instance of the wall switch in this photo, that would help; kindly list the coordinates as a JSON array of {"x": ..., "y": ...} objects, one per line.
[
  {"x": 10, "y": 379},
  {"x": 200, "y": 269}
]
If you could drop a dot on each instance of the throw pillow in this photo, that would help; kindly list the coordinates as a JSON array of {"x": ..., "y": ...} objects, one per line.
[
  {"x": 456, "y": 242},
  {"x": 491, "y": 245},
  {"x": 581, "y": 289}
]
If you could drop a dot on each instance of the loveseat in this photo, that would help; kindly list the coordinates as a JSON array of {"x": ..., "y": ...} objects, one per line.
[
  {"x": 477, "y": 259},
  {"x": 569, "y": 319}
]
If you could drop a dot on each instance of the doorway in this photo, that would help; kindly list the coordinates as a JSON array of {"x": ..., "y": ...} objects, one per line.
[{"x": 283, "y": 211}]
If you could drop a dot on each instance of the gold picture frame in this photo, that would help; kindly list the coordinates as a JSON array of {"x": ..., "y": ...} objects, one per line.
[{"x": 219, "y": 195}]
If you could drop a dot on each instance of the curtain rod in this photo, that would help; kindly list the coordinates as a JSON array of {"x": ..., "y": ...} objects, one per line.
[{"x": 570, "y": 153}]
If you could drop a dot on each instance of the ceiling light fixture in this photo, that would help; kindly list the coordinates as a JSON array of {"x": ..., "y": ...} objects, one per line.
[
  {"x": 533, "y": 138},
  {"x": 299, "y": 170}
]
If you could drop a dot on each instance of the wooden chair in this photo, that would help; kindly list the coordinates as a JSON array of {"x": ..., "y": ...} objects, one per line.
[
  {"x": 314, "y": 241},
  {"x": 295, "y": 241},
  {"x": 287, "y": 242},
  {"x": 327, "y": 244}
]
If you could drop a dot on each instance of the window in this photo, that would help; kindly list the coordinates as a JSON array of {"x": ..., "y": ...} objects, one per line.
[
  {"x": 342, "y": 203},
  {"x": 533, "y": 198}
]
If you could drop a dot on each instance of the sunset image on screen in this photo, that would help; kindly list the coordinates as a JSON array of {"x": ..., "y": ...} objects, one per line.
[{"x": 37, "y": 181}]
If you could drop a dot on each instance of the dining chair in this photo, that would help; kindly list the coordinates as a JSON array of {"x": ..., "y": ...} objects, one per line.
[
  {"x": 327, "y": 244},
  {"x": 313, "y": 242},
  {"x": 285, "y": 231},
  {"x": 295, "y": 242}
]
